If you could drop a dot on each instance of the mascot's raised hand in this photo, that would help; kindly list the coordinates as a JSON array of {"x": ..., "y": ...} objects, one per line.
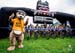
[
  {"x": 11, "y": 16},
  {"x": 17, "y": 32}
]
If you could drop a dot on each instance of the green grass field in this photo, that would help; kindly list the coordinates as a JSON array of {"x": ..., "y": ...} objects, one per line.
[{"x": 41, "y": 45}]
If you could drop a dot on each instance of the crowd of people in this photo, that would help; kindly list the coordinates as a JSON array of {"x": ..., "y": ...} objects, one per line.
[{"x": 48, "y": 31}]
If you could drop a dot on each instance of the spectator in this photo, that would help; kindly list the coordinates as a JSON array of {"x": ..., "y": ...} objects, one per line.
[
  {"x": 68, "y": 31},
  {"x": 36, "y": 32}
]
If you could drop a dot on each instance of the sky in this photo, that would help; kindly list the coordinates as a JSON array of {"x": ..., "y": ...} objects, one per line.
[{"x": 67, "y": 6}]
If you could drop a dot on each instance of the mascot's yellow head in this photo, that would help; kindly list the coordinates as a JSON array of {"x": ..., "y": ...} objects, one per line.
[{"x": 20, "y": 14}]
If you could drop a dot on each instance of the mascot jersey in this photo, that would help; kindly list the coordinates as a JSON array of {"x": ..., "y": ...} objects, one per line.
[{"x": 18, "y": 24}]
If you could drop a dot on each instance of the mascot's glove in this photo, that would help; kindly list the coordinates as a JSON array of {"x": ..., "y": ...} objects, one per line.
[
  {"x": 27, "y": 19},
  {"x": 11, "y": 16}
]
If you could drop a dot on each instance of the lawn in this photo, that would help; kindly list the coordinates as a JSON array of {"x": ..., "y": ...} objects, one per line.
[{"x": 41, "y": 45}]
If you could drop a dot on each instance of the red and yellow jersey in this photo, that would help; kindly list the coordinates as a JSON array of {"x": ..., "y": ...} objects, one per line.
[{"x": 18, "y": 24}]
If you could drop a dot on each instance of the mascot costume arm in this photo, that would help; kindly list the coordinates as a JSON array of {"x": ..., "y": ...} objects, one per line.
[
  {"x": 26, "y": 22},
  {"x": 11, "y": 17}
]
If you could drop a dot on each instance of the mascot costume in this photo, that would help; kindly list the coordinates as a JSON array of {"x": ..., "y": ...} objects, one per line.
[{"x": 17, "y": 32}]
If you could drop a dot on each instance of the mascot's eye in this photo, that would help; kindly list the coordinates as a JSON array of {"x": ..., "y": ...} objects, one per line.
[
  {"x": 23, "y": 14},
  {"x": 19, "y": 13}
]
